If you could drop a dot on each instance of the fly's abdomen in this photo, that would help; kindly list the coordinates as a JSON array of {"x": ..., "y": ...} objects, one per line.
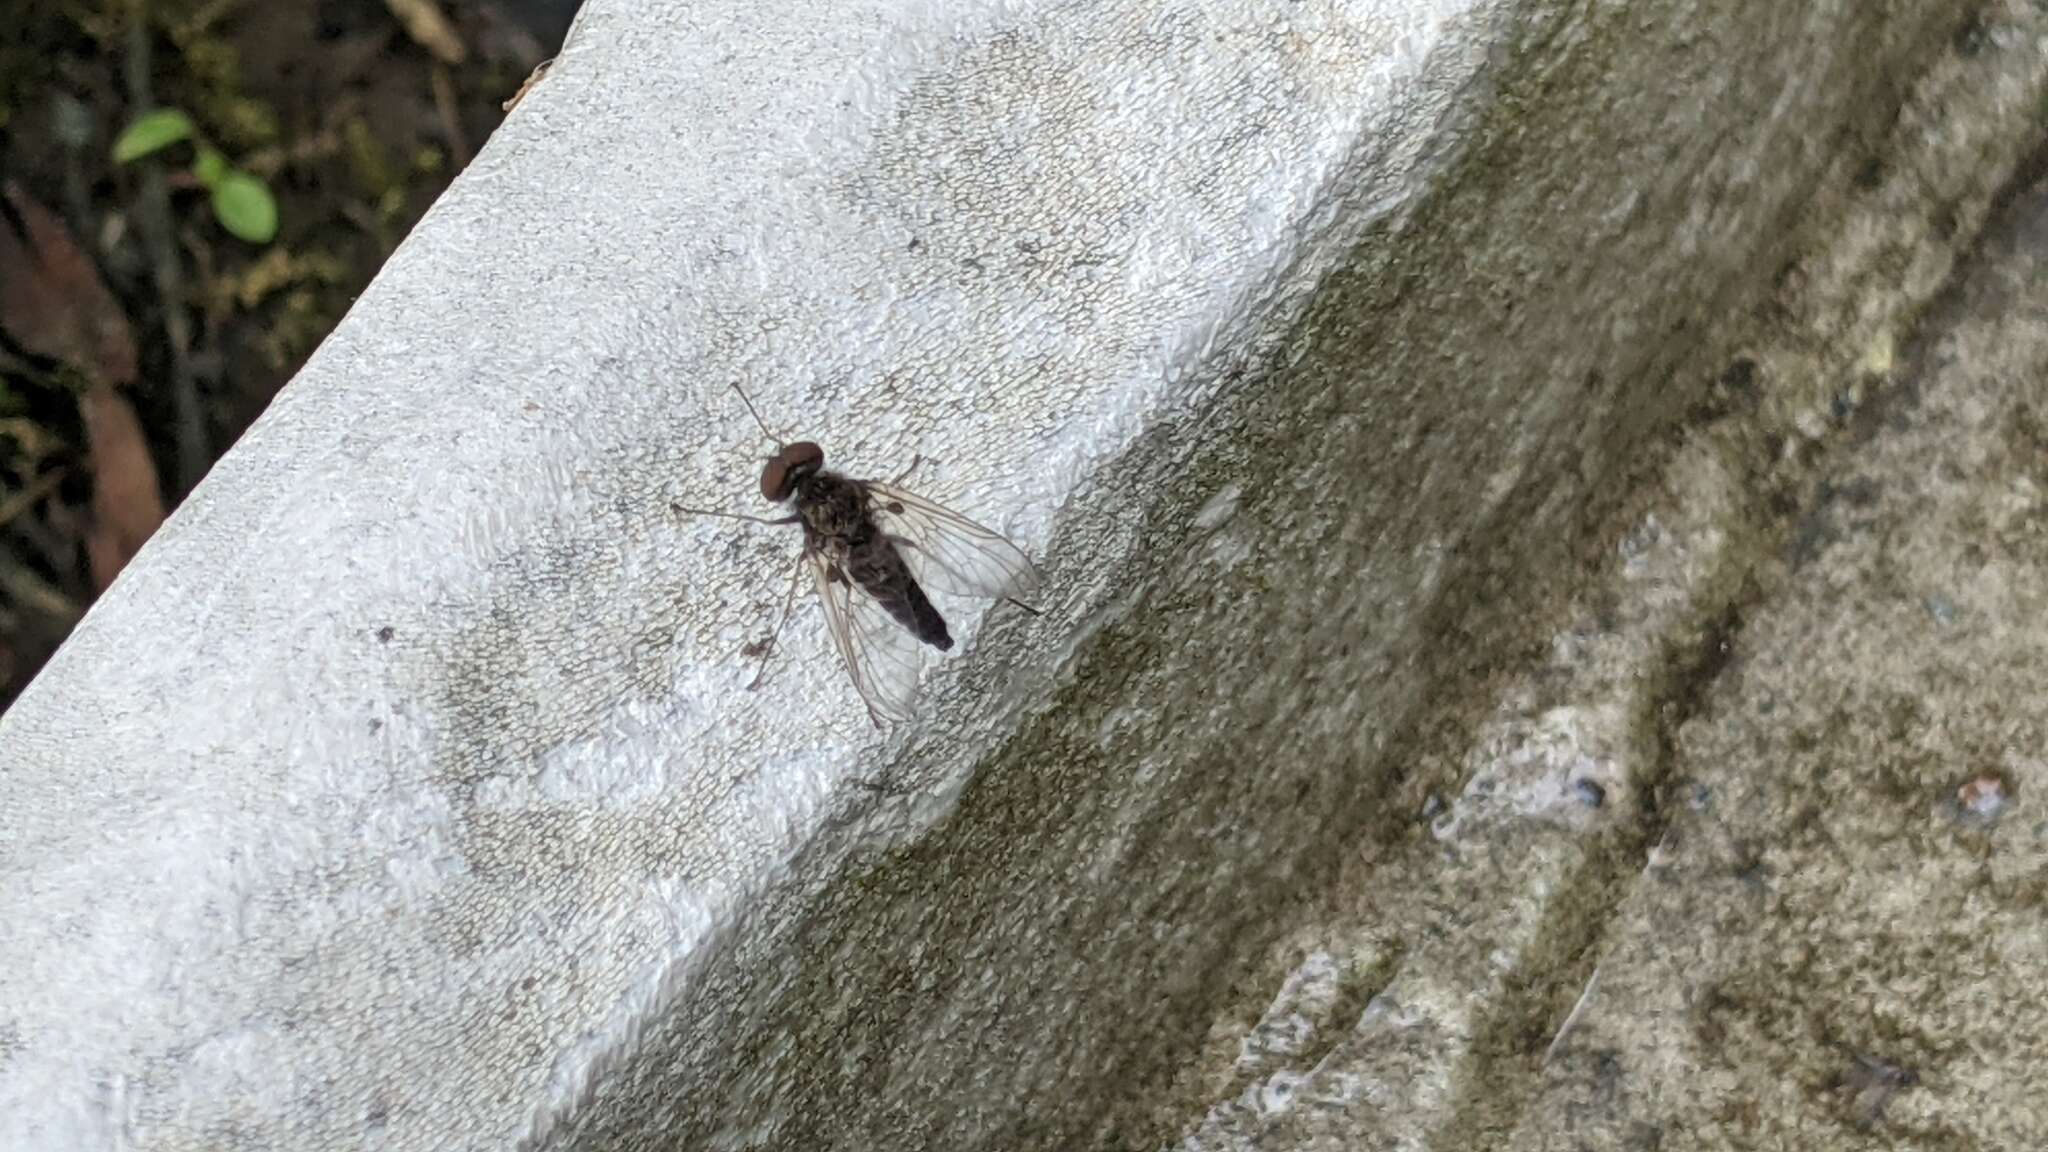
[{"x": 882, "y": 574}]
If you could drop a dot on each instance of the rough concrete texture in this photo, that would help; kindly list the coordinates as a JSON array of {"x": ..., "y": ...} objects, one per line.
[
  {"x": 1743, "y": 859},
  {"x": 1838, "y": 939},
  {"x": 402, "y": 794}
]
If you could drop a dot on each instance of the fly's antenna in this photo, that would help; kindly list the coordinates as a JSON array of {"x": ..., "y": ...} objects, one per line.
[{"x": 752, "y": 411}]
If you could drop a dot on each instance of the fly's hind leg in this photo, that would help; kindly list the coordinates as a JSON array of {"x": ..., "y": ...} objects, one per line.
[{"x": 766, "y": 648}]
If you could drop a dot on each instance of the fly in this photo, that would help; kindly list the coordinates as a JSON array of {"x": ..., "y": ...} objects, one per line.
[{"x": 872, "y": 549}]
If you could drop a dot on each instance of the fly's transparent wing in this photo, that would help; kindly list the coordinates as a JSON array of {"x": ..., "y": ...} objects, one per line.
[
  {"x": 881, "y": 656},
  {"x": 946, "y": 550}
]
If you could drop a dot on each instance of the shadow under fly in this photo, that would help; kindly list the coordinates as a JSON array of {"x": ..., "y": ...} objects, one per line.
[{"x": 872, "y": 549}]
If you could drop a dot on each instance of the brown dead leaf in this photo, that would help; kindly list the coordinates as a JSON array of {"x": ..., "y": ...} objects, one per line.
[
  {"x": 54, "y": 303},
  {"x": 52, "y": 300},
  {"x": 127, "y": 502},
  {"x": 430, "y": 28}
]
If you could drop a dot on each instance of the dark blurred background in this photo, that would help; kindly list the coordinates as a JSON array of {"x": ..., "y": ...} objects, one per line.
[{"x": 192, "y": 193}]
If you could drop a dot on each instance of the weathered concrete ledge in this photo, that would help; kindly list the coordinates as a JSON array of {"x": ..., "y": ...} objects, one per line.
[
  {"x": 1745, "y": 853},
  {"x": 403, "y": 792}
]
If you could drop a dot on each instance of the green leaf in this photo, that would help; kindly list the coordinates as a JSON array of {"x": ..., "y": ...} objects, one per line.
[
  {"x": 244, "y": 207},
  {"x": 152, "y": 131},
  {"x": 209, "y": 166}
]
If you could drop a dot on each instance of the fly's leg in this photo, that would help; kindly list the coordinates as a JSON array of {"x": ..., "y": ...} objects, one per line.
[
  {"x": 796, "y": 577},
  {"x": 679, "y": 510},
  {"x": 1023, "y": 605},
  {"x": 905, "y": 474},
  {"x": 788, "y": 602}
]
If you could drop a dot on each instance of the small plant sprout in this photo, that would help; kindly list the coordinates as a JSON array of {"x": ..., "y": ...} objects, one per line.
[{"x": 241, "y": 200}]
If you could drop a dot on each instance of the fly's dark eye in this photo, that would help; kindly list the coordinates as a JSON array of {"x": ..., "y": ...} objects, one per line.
[
  {"x": 803, "y": 456},
  {"x": 789, "y": 467},
  {"x": 775, "y": 481}
]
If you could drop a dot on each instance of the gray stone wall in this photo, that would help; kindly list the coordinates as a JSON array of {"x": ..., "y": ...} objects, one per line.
[{"x": 1347, "y": 365}]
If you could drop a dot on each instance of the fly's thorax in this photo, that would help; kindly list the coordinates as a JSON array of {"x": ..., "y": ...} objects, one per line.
[
  {"x": 834, "y": 508},
  {"x": 835, "y": 551}
]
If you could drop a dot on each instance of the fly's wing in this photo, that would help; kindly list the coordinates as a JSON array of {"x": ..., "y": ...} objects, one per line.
[
  {"x": 881, "y": 656},
  {"x": 946, "y": 550}
]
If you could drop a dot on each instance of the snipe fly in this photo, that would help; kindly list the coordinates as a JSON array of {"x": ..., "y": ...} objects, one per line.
[{"x": 872, "y": 549}]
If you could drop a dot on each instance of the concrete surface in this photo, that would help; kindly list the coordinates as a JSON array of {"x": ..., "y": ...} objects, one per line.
[
  {"x": 1742, "y": 858},
  {"x": 402, "y": 794},
  {"x": 1838, "y": 939}
]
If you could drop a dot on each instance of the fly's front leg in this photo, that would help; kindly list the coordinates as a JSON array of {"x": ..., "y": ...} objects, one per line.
[
  {"x": 680, "y": 510},
  {"x": 767, "y": 648}
]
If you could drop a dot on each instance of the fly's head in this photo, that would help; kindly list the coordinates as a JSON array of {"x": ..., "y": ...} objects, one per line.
[{"x": 787, "y": 470}]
